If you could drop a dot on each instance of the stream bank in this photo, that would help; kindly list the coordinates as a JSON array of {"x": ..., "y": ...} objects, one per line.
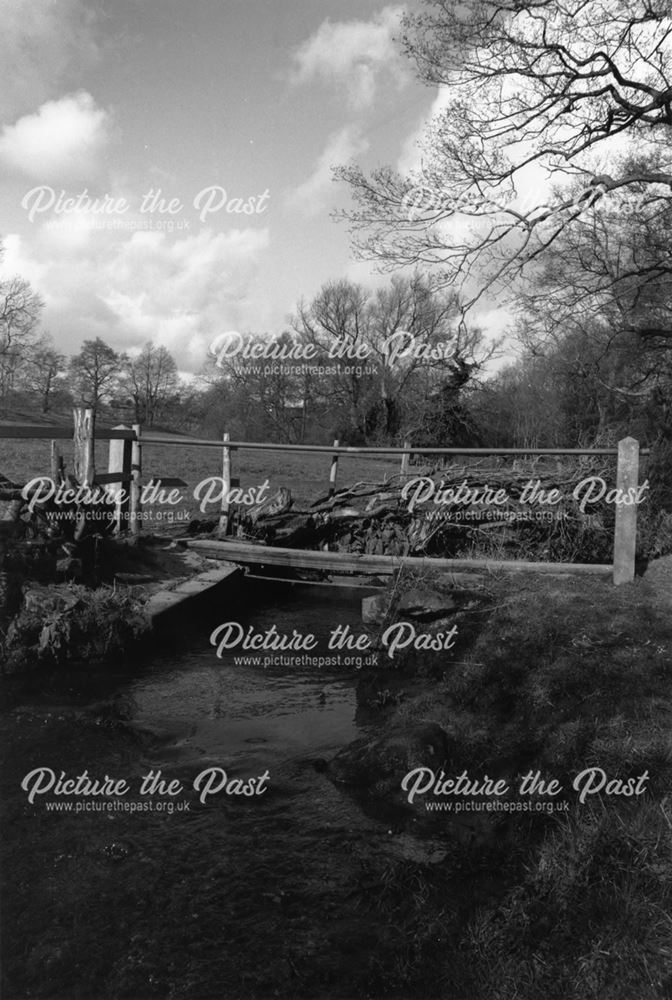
[{"x": 331, "y": 884}]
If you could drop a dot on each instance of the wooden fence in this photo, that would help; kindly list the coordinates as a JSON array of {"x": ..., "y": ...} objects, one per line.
[{"x": 125, "y": 472}]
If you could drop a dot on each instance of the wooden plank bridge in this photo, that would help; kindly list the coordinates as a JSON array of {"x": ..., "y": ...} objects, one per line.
[{"x": 246, "y": 554}]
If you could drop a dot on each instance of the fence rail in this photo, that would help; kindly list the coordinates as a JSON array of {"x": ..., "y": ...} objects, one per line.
[
  {"x": 125, "y": 469},
  {"x": 63, "y": 432},
  {"x": 357, "y": 450}
]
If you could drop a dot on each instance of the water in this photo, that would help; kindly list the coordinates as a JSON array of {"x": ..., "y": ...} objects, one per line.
[{"x": 241, "y": 896}]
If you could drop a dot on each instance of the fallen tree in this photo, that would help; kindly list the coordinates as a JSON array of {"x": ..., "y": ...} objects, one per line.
[{"x": 559, "y": 511}]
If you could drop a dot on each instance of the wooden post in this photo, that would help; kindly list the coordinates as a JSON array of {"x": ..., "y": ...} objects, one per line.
[
  {"x": 120, "y": 459},
  {"x": 333, "y": 471},
  {"x": 84, "y": 467},
  {"x": 56, "y": 464},
  {"x": 405, "y": 458},
  {"x": 226, "y": 486},
  {"x": 135, "y": 507},
  {"x": 625, "y": 531}
]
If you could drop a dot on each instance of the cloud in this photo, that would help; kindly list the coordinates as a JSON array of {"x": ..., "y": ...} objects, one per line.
[
  {"x": 179, "y": 293},
  {"x": 176, "y": 291},
  {"x": 41, "y": 44},
  {"x": 312, "y": 197},
  {"x": 62, "y": 141},
  {"x": 353, "y": 54},
  {"x": 419, "y": 140}
]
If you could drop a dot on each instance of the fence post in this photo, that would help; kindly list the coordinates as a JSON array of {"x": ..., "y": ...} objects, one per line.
[
  {"x": 405, "y": 458},
  {"x": 84, "y": 466},
  {"x": 226, "y": 486},
  {"x": 333, "y": 470},
  {"x": 135, "y": 505},
  {"x": 625, "y": 530},
  {"x": 56, "y": 464},
  {"x": 119, "y": 459}
]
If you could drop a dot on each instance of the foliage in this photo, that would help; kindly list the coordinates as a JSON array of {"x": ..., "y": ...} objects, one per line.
[{"x": 77, "y": 625}]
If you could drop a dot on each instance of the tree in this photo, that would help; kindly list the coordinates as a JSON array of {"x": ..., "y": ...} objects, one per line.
[
  {"x": 261, "y": 396},
  {"x": 339, "y": 316},
  {"x": 359, "y": 364},
  {"x": 603, "y": 305},
  {"x": 534, "y": 89},
  {"x": 153, "y": 382},
  {"x": 392, "y": 350},
  {"x": 19, "y": 315},
  {"x": 95, "y": 371},
  {"x": 42, "y": 371}
]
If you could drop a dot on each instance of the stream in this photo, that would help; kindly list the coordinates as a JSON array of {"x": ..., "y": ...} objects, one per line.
[{"x": 206, "y": 884}]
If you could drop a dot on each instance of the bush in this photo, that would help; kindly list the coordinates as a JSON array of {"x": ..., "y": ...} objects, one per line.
[{"x": 71, "y": 624}]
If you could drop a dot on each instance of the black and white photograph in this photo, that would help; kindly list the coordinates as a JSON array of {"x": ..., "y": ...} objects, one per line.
[{"x": 336, "y": 500}]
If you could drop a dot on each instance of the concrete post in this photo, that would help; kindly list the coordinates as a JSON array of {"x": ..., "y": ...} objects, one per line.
[
  {"x": 136, "y": 481},
  {"x": 625, "y": 531},
  {"x": 119, "y": 460},
  {"x": 333, "y": 472},
  {"x": 226, "y": 487}
]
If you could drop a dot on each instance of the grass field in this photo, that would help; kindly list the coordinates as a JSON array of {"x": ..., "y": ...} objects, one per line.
[{"x": 306, "y": 475}]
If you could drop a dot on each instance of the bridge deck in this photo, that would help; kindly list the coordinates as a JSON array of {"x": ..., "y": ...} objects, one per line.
[{"x": 246, "y": 554}]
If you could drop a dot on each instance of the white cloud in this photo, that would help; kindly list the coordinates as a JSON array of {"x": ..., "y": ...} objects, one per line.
[
  {"x": 414, "y": 145},
  {"x": 61, "y": 142},
  {"x": 354, "y": 55},
  {"x": 179, "y": 292},
  {"x": 312, "y": 196},
  {"x": 41, "y": 43}
]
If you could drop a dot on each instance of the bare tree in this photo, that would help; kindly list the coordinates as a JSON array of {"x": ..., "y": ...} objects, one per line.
[
  {"x": 19, "y": 316},
  {"x": 601, "y": 307},
  {"x": 95, "y": 371},
  {"x": 528, "y": 84},
  {"x": 392, "y": 348},
  {"x": 264, "y": 396},
  {"x": 152, "y": 381},
  {"x": 43, "y": 370},
  {"x": 339, "y": 316}
]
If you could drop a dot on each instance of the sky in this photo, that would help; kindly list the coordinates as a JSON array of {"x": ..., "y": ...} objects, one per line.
[{"x": 165, "y": 167}]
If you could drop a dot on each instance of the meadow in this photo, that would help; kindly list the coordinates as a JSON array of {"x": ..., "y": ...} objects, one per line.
[{"x": 306, "y": 475}]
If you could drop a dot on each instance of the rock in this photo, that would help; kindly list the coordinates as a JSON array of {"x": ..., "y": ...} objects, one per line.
[
  {"x": 424, "y": 604},
  {"x": 375, "y": 608},
  {"x": 70, "y": 567},
  {"x": 421, "y": 852},
  {"x": 41, "y": 600},
  {"x": 380, "y": 764}
]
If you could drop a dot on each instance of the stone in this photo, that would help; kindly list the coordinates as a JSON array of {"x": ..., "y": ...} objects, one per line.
[
  {"x": 424, "y": 604},
  {"x": 379, "y": 763},
  {"x": 375, "y": 608},
  {"x": 41, "y": 600}
]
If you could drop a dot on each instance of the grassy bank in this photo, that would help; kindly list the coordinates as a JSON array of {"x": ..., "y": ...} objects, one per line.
[{"x": 565, "y": 675}]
